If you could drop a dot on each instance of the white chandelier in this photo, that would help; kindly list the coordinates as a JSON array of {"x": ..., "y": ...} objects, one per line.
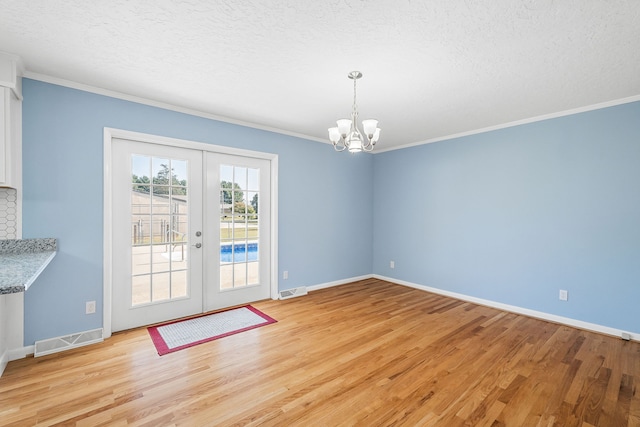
[{"x": 347, "y": 136}]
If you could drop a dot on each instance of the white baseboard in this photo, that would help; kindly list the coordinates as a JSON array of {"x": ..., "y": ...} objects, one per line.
[
  {"x": 21, "y": 353},
  {"x": 338, "y": 282},
  {"x": 4, "y": 360},
  {"x": 14, "y": 354},
  {"x": 635, "y": 336}
]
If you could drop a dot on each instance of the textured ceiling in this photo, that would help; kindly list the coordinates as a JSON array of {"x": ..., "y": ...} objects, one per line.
[{"x": 431, "y": 68}]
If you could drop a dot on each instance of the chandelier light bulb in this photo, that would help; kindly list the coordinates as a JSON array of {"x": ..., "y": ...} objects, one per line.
[
  {"x": 376, "y": 136},
  {"x": 344, "y": 127},
  {"x": 334, "y": 135},
  {"x": 369, "y": 127}
]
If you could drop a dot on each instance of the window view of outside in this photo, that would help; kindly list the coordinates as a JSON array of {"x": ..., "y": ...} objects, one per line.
[
  {"x": 159, "y": 207},
  {"x": 239, "y": 210}
]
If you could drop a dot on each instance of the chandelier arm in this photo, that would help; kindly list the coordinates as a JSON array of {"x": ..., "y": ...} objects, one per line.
[
  {"x": 340, "y": 145},
  {"x": 338, "y": 148}
]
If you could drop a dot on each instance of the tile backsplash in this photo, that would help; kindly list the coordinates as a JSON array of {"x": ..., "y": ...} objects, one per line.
[{"x": 8, "y": 213}]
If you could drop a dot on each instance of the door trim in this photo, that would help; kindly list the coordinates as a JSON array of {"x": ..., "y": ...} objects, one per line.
[{"x": 109, "y": 135}]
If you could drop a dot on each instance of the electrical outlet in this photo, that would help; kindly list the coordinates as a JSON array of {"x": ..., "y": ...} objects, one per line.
[
  {"x": 392, "y": 264},
  {"x": 90, "y": 307},
  {"x": 564, "y": 295},
  {"x": 285, "y": 275}
]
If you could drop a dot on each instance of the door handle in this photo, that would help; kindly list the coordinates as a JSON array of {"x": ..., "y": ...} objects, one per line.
[{"x": 198, "y": 245}]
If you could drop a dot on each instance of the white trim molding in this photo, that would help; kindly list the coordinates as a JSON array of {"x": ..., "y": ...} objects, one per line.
[
  {"x": 21, "y": 352},
  {"x": 107, "y": 233},
  {"x": 338, "y": 282},
  {"x": 570, "y": 112},
  {"x": 635, "y": 336},
  {"x": 166, "y": 106},
  {"x": 4, "y": 360},
  {"x": 14, "y": 354}
]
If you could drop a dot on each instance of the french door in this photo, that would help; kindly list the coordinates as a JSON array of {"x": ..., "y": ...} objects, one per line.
[
  {"x": 191, "y": 232},
  {"x": 238, "y": 259}
]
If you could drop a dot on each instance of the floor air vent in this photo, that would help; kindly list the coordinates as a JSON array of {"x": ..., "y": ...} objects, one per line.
[
  {"x": 292, "y": 293},
  {"x": 54, "y": 345}
]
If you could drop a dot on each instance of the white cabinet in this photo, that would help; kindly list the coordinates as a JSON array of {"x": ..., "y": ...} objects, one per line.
[
  {"x": 10, "y": 138},
  {"x": 10, "y": 122}
]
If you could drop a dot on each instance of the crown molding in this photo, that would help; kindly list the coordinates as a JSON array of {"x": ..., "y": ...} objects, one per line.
[
  {"x": 159, "y": 104},
  {"x": 543, "y": 117},
  {"x": 153, "y": 103}
]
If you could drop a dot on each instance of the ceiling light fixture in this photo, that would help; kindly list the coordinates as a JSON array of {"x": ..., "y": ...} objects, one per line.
[{"x": 347, "y": 136}]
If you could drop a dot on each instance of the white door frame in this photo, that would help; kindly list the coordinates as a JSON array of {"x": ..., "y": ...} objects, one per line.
[{"x": 109, "y": 135}]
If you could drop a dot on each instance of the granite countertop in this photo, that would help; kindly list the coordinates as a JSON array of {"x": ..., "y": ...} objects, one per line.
[{"x": 22, "y": 260}]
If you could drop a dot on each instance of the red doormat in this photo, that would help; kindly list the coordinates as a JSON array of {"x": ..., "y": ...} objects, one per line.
[{"x": 180, "y": 334}]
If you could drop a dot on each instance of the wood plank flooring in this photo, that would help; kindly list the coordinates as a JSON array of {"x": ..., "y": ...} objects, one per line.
[{"x": 368, "y": 353}]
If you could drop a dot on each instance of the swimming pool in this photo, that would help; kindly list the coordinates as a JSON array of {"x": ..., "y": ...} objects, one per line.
[{"x": 239, "y": 252}]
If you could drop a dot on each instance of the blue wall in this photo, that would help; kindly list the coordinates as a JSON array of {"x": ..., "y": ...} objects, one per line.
[
  {"x": 516, "y": 214},
  {"x": 510, "y": 216},
  {"x": 62, "y": 197}
]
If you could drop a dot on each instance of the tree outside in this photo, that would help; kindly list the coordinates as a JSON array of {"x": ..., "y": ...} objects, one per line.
[{"x": 161, "y": 182}]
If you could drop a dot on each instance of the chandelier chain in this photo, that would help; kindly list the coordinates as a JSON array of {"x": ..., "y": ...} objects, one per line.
[{"x": 354, "y": 109}]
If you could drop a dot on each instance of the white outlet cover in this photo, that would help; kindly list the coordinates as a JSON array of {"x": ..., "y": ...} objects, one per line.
[
  {"x": 90, "y": 307},
  {"x": 564, "y": 295}
]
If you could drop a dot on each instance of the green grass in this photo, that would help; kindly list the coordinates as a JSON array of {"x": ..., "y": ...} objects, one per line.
[{"x": 240, "y": 233}]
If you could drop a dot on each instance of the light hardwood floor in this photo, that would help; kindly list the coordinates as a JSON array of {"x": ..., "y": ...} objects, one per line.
[{"x": 368, "y": 353}]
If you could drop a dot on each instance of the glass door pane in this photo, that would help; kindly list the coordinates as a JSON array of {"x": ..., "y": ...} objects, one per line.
[
  {"x": 159, "y": 229},
  {"x": 239, "y": 227}
]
